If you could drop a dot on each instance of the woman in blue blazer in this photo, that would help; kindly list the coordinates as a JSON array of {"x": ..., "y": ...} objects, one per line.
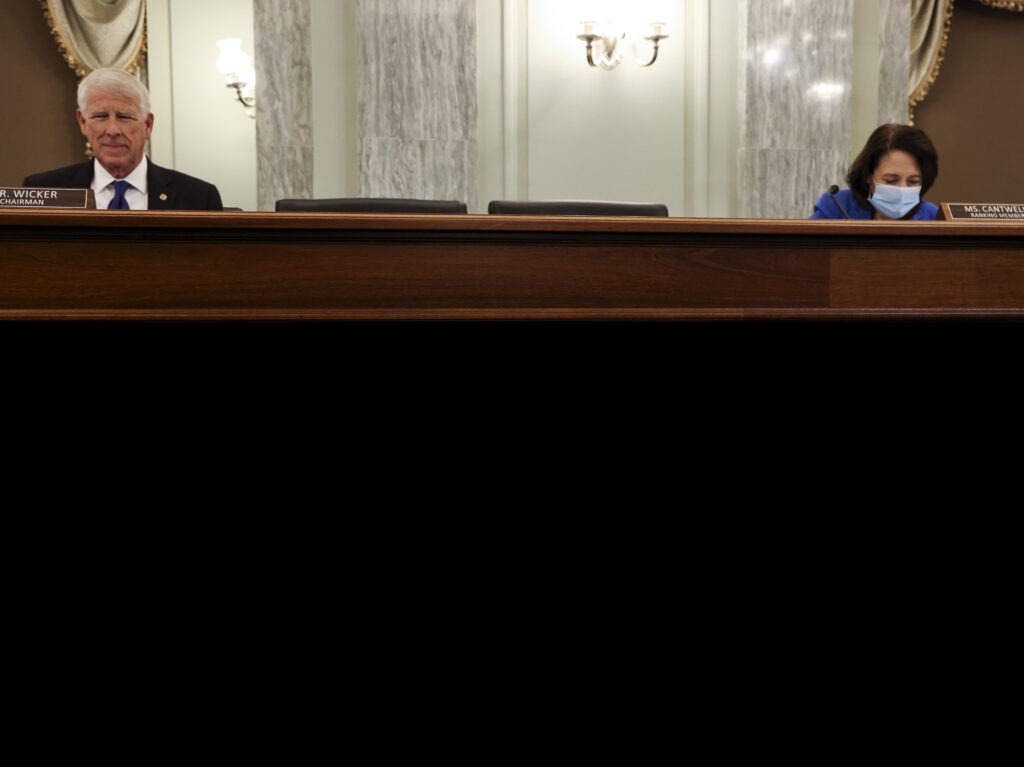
[{"x": 888, "y": 179}]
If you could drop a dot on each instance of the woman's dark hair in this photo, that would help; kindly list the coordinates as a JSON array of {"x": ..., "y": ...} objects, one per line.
[{"x": 883, "y": 140}]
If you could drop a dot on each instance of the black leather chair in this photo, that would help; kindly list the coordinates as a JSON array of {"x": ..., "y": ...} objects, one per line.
[
  {"x": 370, "y": 205},
  {"x": 575, "y": 208}
]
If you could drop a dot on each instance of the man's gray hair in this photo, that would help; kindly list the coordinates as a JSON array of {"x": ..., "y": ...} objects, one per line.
[{"x": 116, "y": 81}]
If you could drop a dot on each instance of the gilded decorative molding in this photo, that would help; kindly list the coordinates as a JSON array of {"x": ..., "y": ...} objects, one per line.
[
  {"x": 62, "y": 43},
  {"x": 72, "y": 50},
  {"x": 935, "y": 64},
  {"x": 1004, "y": 5},
  {"x": 925, "y": 83}
]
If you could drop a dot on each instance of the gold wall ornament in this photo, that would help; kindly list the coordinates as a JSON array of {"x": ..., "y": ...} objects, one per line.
[
  {"x": 98, "y": 33},
  {"x": 931, "y": 21},
  {"x": 1004, "y": 5},
  {"x": 930, "y": 24}
]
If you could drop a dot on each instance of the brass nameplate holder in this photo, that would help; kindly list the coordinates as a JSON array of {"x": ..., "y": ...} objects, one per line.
[
  {"x": 983, "y": 211},
  {"x": 21, "y": 197}
]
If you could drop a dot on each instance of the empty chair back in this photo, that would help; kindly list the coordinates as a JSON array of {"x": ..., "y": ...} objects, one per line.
[
  {"x": 575, "y": 208},
  {"x": 370, "y": 205}
]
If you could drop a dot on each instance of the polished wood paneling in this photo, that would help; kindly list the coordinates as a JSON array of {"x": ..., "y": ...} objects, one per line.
[
  {"x": 989, "y": 278},
  {"x": 174, "y": 265}
]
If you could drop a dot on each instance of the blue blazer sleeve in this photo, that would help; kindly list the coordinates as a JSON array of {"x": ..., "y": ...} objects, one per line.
[{"x": 826, "y": 207}]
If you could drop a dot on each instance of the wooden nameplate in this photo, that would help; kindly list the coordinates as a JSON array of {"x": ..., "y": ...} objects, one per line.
[
  {"x": 29, "y": 197},
  {"x": 983, "y": 211}
]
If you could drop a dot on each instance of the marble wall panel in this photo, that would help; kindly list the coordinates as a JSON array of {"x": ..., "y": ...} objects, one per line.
[
  {"x": 285, "y": 170},
  {"x": 284, "y": 110},
  {"x": 428, "y": 169},
  {"x": 894, "y": 62},
  {"x": 418, "y": 99},
  {"x": 795, "y": 103},
  {"x": 784, "y": 183}
]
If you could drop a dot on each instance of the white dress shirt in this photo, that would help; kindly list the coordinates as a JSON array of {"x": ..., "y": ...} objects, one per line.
[{"x": 137, "y": 193}]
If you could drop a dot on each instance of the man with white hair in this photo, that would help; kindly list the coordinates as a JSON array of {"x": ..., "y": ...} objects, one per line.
[{"x": 114, "y": 115}]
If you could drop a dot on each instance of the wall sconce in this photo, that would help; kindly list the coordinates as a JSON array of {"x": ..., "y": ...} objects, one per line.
[
  {"x": 237, "y": 67},
  {"x": 609, "y": 41}
]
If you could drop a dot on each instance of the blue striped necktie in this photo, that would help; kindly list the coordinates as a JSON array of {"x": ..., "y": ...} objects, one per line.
[{"x": 119, "y": 202}]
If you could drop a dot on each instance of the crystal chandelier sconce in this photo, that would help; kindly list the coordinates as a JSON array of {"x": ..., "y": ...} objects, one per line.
[
  {"x": 607, "y": 44},
  {"x": 237, "y": 68}
]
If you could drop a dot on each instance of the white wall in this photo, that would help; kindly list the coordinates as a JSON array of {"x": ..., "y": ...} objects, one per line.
[
  {"x": 718, "y": 109},
  {"x": 200, "y": 128},
  {"x": 557, "y": 128},
  {"x": 335, "y": 98},
  {"x": 595, "y": 133},
  {"x": 501, "y": 103}
]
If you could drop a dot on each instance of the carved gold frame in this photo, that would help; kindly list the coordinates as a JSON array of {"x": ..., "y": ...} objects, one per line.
[
  {"x": 1004, "y": 5},
  {"x": 936, "y": 63},
  {"x": 58, "y": 30}
]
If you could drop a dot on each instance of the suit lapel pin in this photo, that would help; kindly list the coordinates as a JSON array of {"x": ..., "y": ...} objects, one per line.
[{"x": 163, "y": 197}]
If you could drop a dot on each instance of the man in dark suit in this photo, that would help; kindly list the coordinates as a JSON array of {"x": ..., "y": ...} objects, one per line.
[{"x": 114, "y": 115}]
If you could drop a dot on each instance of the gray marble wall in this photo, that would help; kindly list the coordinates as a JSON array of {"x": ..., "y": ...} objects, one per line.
[
  {"x": 417, "y": 99},
  {"x": 796, "y": 97},
  {"x": 796, "y": 81},
  {"x": 894, "y": 62},
  {"x": 284, "y": 109}
]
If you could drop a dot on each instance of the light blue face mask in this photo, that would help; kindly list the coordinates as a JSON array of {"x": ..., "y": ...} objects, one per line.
[{"x": 895, "y": 201}]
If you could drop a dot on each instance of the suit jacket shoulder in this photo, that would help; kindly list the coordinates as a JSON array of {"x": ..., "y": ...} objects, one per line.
[
  {"x": 77, "y": 176},
  {"x": 173, "y": 190}
]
